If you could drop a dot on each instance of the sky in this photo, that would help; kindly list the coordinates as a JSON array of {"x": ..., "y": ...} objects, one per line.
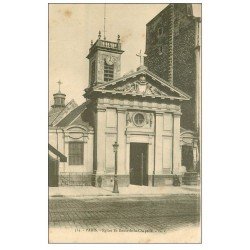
[{"x": 73, "y": 26}]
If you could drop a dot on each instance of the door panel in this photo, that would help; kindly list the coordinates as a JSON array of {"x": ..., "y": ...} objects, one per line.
[{"x": 138, "y": 164}]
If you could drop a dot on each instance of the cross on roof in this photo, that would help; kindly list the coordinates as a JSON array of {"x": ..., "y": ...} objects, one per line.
[
  {"x": 59, "y": 83},
  {"x": 141, "y": 55}
]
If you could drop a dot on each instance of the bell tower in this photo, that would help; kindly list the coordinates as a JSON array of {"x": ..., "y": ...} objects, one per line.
[
  {"x": 59, "y": 99},
  {"x": 104, "y": 60}
]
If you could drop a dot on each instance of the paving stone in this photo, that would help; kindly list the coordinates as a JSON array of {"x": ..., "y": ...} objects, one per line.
[{"x": 132, "y": 214}]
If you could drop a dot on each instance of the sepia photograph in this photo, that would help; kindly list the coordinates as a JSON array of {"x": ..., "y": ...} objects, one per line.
[{"x": 124, "y": 132}]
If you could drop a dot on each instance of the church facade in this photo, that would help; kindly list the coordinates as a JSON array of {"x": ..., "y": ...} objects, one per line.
[{"x": 140, "y": 111}]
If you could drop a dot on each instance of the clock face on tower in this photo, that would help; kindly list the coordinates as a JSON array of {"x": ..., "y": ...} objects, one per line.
[{"x": 110, "y": 60}]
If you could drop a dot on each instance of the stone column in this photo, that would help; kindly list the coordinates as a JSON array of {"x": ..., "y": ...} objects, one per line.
[
  {"x": 158, "y": 142},
  {"x": 121, "y": 139},
  {"x": 176, "y": 143},
  {"x": 100, "y": 140}
]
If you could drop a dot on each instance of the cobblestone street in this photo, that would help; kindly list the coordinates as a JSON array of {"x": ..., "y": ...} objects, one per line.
[{"x": 152, "y": 214}]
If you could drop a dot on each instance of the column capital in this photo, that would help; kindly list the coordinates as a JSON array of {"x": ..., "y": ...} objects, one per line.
[
  {"x": 159, "y": 113},
  {"x": 177, "y": 113},
  {"x": 119, "y": 110},
  {"x": 100, "y": 109},
  {"x": 85, "y": 139}
]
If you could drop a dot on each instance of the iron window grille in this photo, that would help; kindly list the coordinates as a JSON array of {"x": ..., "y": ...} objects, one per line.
[
  {"x": 75, "y": 153},
  {"x": 108, "y": 72}
]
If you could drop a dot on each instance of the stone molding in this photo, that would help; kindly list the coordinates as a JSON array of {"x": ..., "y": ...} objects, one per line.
[
  {"x": 101, "y": 109},
  {"x": 83, "y": 138},
  {"x": 119, "y": 110},
  {"x": 177, "y": 113}
]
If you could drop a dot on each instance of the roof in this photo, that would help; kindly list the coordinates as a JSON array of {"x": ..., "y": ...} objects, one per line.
[
  {"x": 56, "y": 116},
  {"x": 62, "y": 157},
  {"x": 69, "y": 118},
  {"x": 52, "y": 116}
]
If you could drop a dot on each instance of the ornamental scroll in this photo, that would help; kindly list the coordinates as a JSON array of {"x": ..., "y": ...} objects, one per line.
[
  {"x": 148, "y": 119},
  {"x": 139, "y": 88}
]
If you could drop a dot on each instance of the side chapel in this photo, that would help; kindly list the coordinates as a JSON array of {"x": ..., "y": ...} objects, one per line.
[{"x": 140, "y": 111}]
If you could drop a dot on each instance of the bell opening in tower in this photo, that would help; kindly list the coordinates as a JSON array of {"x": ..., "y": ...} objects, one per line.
[{"x": 108, "y": 72}]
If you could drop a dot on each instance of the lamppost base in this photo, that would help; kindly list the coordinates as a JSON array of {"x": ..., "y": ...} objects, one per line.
[{"x": 115, "y": 190}]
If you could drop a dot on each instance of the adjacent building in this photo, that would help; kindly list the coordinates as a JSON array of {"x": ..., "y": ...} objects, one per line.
[{"x": 173, "y": 53}]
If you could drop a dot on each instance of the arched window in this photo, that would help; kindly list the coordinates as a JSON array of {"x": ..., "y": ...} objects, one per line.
[
  {"x": 160, "y": 31},
  {"x": 160, "y": 50}
]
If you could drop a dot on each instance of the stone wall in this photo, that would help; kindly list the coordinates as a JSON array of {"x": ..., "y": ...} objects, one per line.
[{"x": 184, "y": 65}]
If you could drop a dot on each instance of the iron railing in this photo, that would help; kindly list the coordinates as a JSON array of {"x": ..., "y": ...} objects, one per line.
[{"x": 74, "y": 179}]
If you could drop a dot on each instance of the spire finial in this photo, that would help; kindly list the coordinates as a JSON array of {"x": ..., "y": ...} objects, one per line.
[
  {"x": 99, "y": 35},
  {"x": 118, "y": 39},
  {"x": 59, "y": 83}
]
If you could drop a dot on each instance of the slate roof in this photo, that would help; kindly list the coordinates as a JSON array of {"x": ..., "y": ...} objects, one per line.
[
  {"x": 56, "y": 115},
  {"x": 69, "y": 118},
  {"x": 52, "y": 116}
]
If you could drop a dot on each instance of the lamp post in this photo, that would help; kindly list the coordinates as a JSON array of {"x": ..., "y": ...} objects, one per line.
[{"x": 115, "y": 190}]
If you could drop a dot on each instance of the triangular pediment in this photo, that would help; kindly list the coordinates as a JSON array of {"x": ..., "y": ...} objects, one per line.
[{"x": 142, "y": 83}]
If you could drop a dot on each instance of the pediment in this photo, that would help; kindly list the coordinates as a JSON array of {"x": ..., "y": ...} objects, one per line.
[
  {"x": 140, "y": 87},
  {"x": 143, "y": 84}
]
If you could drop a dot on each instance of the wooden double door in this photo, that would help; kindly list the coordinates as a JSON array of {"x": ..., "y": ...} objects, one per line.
[{"x": 139, "y": 164}]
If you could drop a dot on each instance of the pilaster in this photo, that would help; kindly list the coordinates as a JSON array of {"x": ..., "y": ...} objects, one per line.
[
  {"x": 176, "y": 143},
  {"x": 85, "y": 154},
  {"x": 127, "y": 167},
  {"x": 151, "y": 155},
  {"x": 121, "y": 139},
  {"x": 100, "y": 137},
  {"x": 158, "y": 142}
]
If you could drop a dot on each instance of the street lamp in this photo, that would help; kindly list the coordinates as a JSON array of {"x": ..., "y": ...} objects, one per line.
[{"x": 115, "y": 190}]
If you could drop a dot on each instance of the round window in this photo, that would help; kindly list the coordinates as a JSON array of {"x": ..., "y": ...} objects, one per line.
[{"x": 139, "y": 119}]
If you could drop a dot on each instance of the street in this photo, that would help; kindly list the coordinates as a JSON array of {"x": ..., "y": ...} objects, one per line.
[{"x": 143, "y": 214}]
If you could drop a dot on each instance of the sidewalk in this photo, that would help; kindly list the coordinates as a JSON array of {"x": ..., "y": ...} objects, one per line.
[{"x": 131, "y": 190}]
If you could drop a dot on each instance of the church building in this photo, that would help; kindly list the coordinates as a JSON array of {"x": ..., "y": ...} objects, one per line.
[{"x": 139, "y": 111}]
